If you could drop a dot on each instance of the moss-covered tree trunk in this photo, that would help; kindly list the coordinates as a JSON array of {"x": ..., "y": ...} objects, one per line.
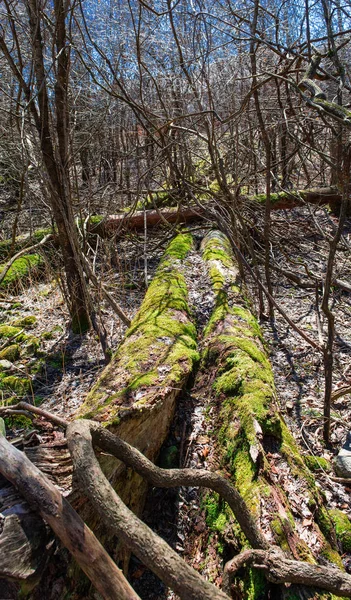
[
  {"x": 252, "y": 440},
  {"x": 135, "y": 397}
]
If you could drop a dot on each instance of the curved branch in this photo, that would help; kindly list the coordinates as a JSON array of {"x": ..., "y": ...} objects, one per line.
[
  {"x": 279, "y": 569},
  {"x": 42, "y": 495},
  {"x": 152, "y": 550}
]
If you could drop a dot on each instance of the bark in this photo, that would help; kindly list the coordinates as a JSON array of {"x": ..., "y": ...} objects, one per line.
[
  {"x": 116, "y": 224},
  {"x": 143, "y": 542},
  {"x": 65, "y": 522},
  {"x": 292, "y": 198},
  {"x": 136, "y": 394},
  {"x": 278, "y": 569},
  {"x": 254, "y": 444}
]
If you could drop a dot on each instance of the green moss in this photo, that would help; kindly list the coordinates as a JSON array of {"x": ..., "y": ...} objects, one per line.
[
  {"x": 20, "y": 385},
  {"x": 21, "y": 269},
  {"x": 342, "y": 525},
  {"x": 9, "y": 401},
  {"x": 160, "y": 345},
  {"x": 25, "y": 322},
  {"x": 18, "y": 422},
  {"x": 95, "y": 219},
  {"x": 255, "y": 585},
  {"x": 244, "y": 386},
  {"x": 216, "y": 512},
  {"x": 179, "y": 246},
  {"x": 6, "y": 246},
  {"x": 32, "y": 344},
  {"x": 217, "y": 248},
  {"x": 47, "y": 335},
  {"x": 11, "y": 353},
  {"x": 7, "y": 331},
  {"x": 317, "y": 463}
]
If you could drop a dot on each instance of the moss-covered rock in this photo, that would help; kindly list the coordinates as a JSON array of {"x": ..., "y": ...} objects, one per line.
[
  {"x": 24, "y": 267},
  {"x": 6, "y": 246},
  {"x": 11, "y": 353},
  {"x": 20, "y": 385},
  {"x": 342, "y": 525},
  {"x": 317, "y": 463},
  {"x": 25, "y": 322},
  {"x": 8, "y": 331}
]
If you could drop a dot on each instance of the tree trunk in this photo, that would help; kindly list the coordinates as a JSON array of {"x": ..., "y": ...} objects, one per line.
[
  {"x": 135, "y": 396},
  {"x": 252, "y": 442}
]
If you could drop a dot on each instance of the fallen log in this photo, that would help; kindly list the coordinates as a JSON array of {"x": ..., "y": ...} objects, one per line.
[
  {"x": 290, "y": 198},
  {"x": 110, "y": 225},
  {"x": 113, "y": 224},
  {"x": 135, "y": 396},
  {"x": 252, "y": 440}
]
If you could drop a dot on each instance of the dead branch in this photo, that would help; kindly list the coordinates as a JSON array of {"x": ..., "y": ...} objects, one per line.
[
  {"x": 279, "y": 569},
  {"x": 65, "y": 522},
  {"x": 114, "y": 305},
  {"x": 152, "y": 550},
  {"x": 170, "y": 478}
]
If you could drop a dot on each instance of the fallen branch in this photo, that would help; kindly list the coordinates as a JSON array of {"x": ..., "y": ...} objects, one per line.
[
  {"x": 170, "y": 478},
  {"x": 152, "y": 550},
  {"x": 279, "y": 569},
  {"x": 65, "y": 522}
]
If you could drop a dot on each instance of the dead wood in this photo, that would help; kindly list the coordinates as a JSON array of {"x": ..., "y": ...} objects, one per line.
[
  {"x": 45, "y": 498},
  {"x": 115, "y": 224},
  {"x": 278, "y": 569},
  {"x": 136, "y": 394},
  {"x": 255, "y": 445},
  {"x": 152, "y": 550}
]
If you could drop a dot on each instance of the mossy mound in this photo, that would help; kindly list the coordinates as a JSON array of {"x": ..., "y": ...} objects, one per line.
[
  {"x": 11, "y": 353},
  {"x": 342, "y": 525},
  {"x": 20, "y": 385},
  {"x": 21, "y": 270},
  {"x": 6, "y": 246},
  {"x": 159, "y": 349},
  {"x": 25, "y": 322},
  {"x": 8, "y": 331},
  {"x": 317, "y": 463}
]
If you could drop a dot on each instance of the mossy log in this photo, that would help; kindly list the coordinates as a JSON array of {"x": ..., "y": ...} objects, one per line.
[
  {"x": 135, "y": 397},
  {"x": 253, "y": 442},
  {"x": 290, "y": 199}
]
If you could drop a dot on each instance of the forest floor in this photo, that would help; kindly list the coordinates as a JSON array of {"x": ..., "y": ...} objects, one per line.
[{"x": 70, "y": 365}]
